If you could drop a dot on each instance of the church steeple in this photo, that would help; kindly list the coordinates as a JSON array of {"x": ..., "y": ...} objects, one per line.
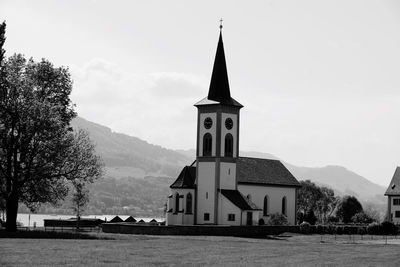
[
  {"x": 219, "y": 91},
  {"x": 219, "y": 85}
]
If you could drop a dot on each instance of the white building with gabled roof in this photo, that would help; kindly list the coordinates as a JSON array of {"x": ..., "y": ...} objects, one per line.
[
  {"x": 221, "y": 188},
  {"x": 393, "y": 194}
]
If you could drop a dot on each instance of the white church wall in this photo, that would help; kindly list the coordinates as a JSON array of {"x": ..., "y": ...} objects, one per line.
[
  {"x": 180, "y": 218},
  {"x": 226, "y": 207},
  {"x": 227, "y": 175},
  {"x": 203, "y": 131},
  {"x": 275, "y": 194},
  {"x": 232, "y": 131},
  {"x": 205, "y": 191}
]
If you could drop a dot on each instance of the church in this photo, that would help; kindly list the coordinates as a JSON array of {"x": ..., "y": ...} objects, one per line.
[{"x": 219, "y": 187}]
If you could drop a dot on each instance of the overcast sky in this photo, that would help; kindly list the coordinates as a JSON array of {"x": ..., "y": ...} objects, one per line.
[{"x": 319, "y": 80}]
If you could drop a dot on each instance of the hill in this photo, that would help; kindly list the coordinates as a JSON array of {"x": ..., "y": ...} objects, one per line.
[{"x": 128, "y": 156}]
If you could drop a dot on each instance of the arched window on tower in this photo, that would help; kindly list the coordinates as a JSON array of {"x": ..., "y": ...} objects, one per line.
[
  {"x": 207, "y": 145},
  {"x": 189, "y": 203},
  {"x": 265, "y": 208},
  {"x": 228, "y": 145},
  {"x": 284, "y": 205},
  {"x": 176, "y": 202}
]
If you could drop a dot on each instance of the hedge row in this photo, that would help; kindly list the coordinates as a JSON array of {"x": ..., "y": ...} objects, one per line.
[{"x": 385, "y": 228}]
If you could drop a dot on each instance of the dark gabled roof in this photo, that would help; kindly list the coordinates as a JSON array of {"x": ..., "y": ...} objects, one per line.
[
  {"x": 394, "y": 186},
  {"x": 186, "y": 178},
  {"x": 264, "y": 171},
  {"x": 116, "y": 219},
  {"x": 238, "y": 199},
  {"x": 130, "y": 219},
  {"x": 219, "y": 92}
]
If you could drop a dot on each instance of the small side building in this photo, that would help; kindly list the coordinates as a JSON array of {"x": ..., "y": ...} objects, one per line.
[{"x": 393, "y": 194}]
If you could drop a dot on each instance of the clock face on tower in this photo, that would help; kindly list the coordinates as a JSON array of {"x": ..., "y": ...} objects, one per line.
[
  {"x": 208, "y": 123},
  {"x": 228, "y": 123}
]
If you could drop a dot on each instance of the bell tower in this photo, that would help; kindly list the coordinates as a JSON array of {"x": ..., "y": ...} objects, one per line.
[{"x": 217, "y": 141}]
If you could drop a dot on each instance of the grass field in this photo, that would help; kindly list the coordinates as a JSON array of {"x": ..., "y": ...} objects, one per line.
[{"x": 133, "y": 250}]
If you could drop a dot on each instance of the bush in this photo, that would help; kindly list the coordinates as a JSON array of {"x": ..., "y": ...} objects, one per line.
[
  {"x": 388, "y": 228},
  {"x": 350, "y": 230},
  {"x": 374, "y": 228},
  {"x": 361, "y": 217},
  {"x": 277, "y": 219},
  {"x": 261, "y": 222},
  {"x": 310, "y": 217},
  {"x": 305, "y": 228},
  {"x": 361, "y": 231},
  {"x": 320, "y": 229},
  {"x": 339, "y": 230},
  {"x": 331, "y": 229}
]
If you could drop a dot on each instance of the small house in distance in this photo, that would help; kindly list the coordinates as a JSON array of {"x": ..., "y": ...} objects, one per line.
[
  {"x": 220, "y": 187},
  {"x": 393, "y": 194}
]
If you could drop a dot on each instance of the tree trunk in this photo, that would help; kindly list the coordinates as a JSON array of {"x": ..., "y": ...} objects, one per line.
[{"x": 11, "y": 212}]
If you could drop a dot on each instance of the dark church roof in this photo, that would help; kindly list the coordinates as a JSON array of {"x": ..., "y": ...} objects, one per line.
[
  {"x": 186, "y": 178},
  {"x": 264, "y": 171},
  {"x": 219, "y": 92},
  {"x": 394, "y": 186},
  {"x": 250, "y": 171},
  {"x": 239, "y": 200}
]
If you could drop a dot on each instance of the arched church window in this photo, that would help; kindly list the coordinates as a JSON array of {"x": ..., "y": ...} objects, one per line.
[
  {"x": 284, "y": 205},
  {"x": 228, "y": 145},
  {"x": 176, "y": 203},
  {"x": 189, "y": 203},
  {"x": 207, "y": 145},
  {"x": 265, "y": 208}
]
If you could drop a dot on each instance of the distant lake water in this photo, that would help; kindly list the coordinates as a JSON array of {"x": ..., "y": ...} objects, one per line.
[{"x": 29, "y": 219}]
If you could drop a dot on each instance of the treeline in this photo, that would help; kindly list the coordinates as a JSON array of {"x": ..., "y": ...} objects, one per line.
[{"x": 318, "y": 204}]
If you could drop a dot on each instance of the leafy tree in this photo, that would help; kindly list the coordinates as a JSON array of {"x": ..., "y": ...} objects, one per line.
[
  {"x": 39, "y": 152},
  {"x": 320, "y": 200},
  {"x": 347, "y": 208},
  {"x": 371, "y": 211},
  {"x": 326, "y": 204},
  {"x": 79, "y": 199},
  {"x": 308, "y": 195}
]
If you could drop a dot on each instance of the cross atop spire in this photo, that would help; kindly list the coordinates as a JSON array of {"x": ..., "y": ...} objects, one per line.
[{"x": 220, "y": 24}]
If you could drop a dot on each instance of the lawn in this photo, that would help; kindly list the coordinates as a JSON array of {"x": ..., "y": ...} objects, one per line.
[{"x": 132, "y": 250}]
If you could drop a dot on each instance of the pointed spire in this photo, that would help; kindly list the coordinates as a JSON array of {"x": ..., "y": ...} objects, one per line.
[{"x": 219, "y": 85}]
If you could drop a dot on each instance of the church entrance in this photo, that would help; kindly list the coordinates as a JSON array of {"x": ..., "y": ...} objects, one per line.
[{"x": 249, "y": 218}]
